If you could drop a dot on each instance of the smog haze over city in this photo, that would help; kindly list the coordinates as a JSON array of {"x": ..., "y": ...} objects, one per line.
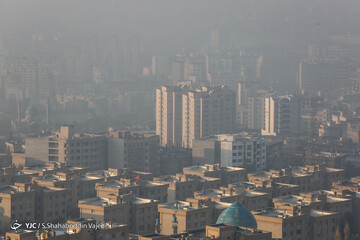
[{"x": 187, "y": 120}]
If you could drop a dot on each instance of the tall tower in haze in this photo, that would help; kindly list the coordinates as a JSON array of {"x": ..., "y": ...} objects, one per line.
[
  {"x": 215, "y": 39},
  {"x": 131, "y": 57},
  {"x": 208, "y": 111},
  {"x": 169, "y": 114},
  {"x": 2, "y": 52}
]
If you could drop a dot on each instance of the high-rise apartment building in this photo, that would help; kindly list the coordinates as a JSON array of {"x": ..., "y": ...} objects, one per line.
[
  {"x": 282, "y": 115},
  {"x": 159, "y": 67},
  {"x": 169, "y": 114},
  {"x": 178, "y": 70},
  {"x": 183, "y": 115},
  {"x": 324, "y": 75},
  {"x": 208, "y": 111},
  {"x": 139, "y": 152},
  {"x": 250, "y": 106},
  {"x": 215, "y": 39},
  {"x": 131, "y": 57}
]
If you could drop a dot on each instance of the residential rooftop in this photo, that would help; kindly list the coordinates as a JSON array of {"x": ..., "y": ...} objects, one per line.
[{"x": 317, "y": 213}]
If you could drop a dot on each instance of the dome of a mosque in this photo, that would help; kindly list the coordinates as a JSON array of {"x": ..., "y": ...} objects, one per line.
[{"x": 237, "y": 215}]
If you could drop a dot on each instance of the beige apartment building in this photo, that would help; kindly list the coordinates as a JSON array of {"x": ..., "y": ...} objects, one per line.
[
  {"x": 65, "y": 146},
  {"x": 31, "y": 202},
  {"x": 117, "y": 187},
  {"x": 342, "y": 206},
  {"x": 252, "y": 200},
  {"x": 17, "y": 203},
  {"x": 144, "y": 189},
  {"x": 182, "y": 216},
  {"x": 293, "y": 225},
  {"x": 219, "y": 195},
  {"x": 183, "y": 115},
  {"x": 139, "y": 213},
  {"x": 282, "y": 115},
  {"x": 208, "y": 111},
  {"x": 352, "y": 185},
  {"x": 227, "y": 174},
  {"x": 183, "y": 186},
  {"x": 308, "y": 178},
  {"x": 9, "y": 175},
  {"x": 134, "y": 151},
  {"x": 169, "y": 114},
  {"x": 78, "y": 186}
]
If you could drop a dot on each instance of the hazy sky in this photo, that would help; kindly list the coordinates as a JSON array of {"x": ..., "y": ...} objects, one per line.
[{"x": 163, "y": 24}]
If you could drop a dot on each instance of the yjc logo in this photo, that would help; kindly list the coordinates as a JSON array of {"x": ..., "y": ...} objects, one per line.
[{"x": 15, "y": 225}]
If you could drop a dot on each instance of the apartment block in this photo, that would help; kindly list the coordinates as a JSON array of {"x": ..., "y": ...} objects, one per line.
[
  {"x": 78, "y": 186},
  {"x": 282, "y": 116},
  {"x": 169, "y": 114},
  {"x": 352, "y": 185},
  {"x": 181, "y": 216},
  {"x": 273, "y": 188},
  {"x": 284, "y": 225},
  {"x": 173, "y": 160},
  {"x": 140, "y": 188},
  {"x": 208, "y": 111},
  {"x": 225, "y": 173},
  {"x": 134, "y": 151},
  {"x": 31, "y": 202},
  {"x": 183, "y": 186},
  {"x": 139, "y": 213},
  {"x": 183, "y": 115},
  {"x": 17, "y": 203},
  {"x": 252, "y": 200},
  {"x": 308, "y": 178},
  {"x": 83, "y": 150}
]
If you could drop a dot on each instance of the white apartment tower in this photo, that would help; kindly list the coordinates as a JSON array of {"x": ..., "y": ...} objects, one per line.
[
  {"x": 240, "y": 151},
  {"x": 282, "y": 115},
  {"x": 208, "y": 111},
  {"x": 169, "y": 114}
]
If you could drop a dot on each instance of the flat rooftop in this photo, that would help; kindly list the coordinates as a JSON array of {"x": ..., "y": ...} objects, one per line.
[
  {"x": 101, "y": 173},
  {"x": 51, "y": 178},
  {"x": 250, "y": 193},
  {"x": 98, "y": 201},
  {"x": 117, "y": 184},
  {"x": 211, "y": 168},
  {"x": 178, "y": 205},
  {"x": 293, "y": 199},
  {"x": 139, "y": 201},
  {"x": 10, "y": 189},
  {"x": 273, "y": 213},
  {"x": 317, "y": 213},
  {"x": 212, "y": 193}
]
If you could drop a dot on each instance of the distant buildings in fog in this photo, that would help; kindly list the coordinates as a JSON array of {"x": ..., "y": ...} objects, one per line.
[
  {"x": 183, "y": 115},
  {"x": 120, "y": 149}
]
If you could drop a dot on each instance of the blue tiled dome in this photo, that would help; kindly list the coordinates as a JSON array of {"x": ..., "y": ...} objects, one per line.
[{"x": 237, "y": 215}]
